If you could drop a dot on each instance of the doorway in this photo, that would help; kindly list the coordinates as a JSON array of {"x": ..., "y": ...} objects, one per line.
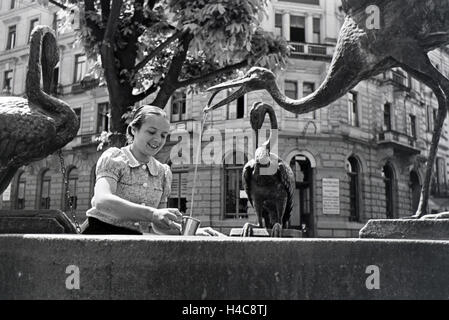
[{"x": 302, "y": 214}]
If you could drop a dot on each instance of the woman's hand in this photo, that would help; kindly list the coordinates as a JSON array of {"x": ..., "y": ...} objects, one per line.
[
  {"x": 168, "y": 220},
  {"x": 208, "y": 231}
]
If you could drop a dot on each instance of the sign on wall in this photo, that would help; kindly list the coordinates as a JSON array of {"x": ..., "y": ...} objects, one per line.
[
  {"x": 6, "y": 195},
  {"x": 331, "y": 196}
]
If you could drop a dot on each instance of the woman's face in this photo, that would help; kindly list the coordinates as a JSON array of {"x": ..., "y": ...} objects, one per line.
[{"x": 151, "y": 137}]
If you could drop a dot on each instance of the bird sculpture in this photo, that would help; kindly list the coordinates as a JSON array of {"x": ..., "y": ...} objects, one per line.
[
  {"x": 33, "y": 128},
  {"x": 407, "y": 30},
  {"x": 270, "y": 192}
]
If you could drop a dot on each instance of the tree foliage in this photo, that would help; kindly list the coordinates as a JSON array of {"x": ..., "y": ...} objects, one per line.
[{"x": 150, "y": 47}]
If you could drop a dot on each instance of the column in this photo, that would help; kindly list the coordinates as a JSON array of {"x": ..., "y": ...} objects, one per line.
[
  {"x": 309, "y": 28},
  {"x": 268, "y": 21},
  {"x": 286, "y": 25}
]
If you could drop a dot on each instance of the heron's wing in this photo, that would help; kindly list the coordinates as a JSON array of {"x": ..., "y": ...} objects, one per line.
[
  {"x": 13, "y": 131},
  {"x": 247, "y": 174},
  {"x": 23, "y": 135},
  {"x": 287, "y": 179}
]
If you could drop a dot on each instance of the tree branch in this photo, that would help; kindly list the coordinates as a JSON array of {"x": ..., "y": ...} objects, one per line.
[
  {"x": 58, "y": 4},
  {"x": 107, "y": 47},
  {"x": 113, "y": 20},
  {"x": 171, "y": 83},
  {"x": 213, "y": 74},
  {"x": 105, "y": 10},
  {"x": 138, "y": 11},
  {"x": 97, "y": 33},
  {"x": 158, "y": 50},
  {"x": 144, "y": 94}
]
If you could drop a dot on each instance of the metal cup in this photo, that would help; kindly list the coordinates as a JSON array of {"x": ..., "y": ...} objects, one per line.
[{"x": 189, "y": 226}]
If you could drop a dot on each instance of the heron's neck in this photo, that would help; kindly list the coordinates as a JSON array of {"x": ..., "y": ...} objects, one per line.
[
  {"x": 34, "y": 73},
  {"x": 304, "y": 105},
  {"x": 273, "y": 118},
  {"x": 39, "y": 57},
  {"x": 272, "y": 139}
]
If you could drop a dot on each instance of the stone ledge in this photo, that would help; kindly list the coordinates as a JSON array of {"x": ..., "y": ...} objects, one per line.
[
  {"x": 194, "y": 268},
  {"x": 406, "y": 229},
  {"x": 35, "y": 221}
]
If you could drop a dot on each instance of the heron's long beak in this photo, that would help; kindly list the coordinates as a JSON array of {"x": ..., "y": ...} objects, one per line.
[
  {"x": 267, "y": 144},
  {"x": 239, "y": 82},
  {"x": 230, "y": 84}
]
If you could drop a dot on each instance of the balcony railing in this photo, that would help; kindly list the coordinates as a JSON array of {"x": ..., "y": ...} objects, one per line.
[
  {"x": 313, "y": 50},
  {"x": 57, "y": 90},
  {"x": 82, "y": 141},
  {"x": 77, "y": 88},
  {"x": 440, "y": 192},
  {"x": 398, "y": 79},
  {"x": 6, "y": 92},
  {"x": 87, "y": 83},
  {"x": 399, "y": 142}
]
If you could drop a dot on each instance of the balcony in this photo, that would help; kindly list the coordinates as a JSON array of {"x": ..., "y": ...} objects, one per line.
[
  {"x": 81, "y": 141},
  {"x": 398, "y": 79},
  {"x": 439, "y": 189},
  {"x": 87, "y": 83},
  {"x": 185, "y": 125},
  {"x": 304, "y": 126},
  {"x": 77, "y": 88},
  {"x": 57, "y": 90},
  {"x": 400, "y": 142},
  {"x": 6, "y": 92},
  {"x": 312, "y": 51}
]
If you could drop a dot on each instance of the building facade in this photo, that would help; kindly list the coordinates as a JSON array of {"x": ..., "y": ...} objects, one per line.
[{"x": 360, "y": 158}]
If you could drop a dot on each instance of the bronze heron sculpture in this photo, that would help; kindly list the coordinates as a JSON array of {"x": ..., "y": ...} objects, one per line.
[
  {"x": 270, "y": 193},
  {"x": 33, "y": 128},
  {"x": 407, "y": 31}
]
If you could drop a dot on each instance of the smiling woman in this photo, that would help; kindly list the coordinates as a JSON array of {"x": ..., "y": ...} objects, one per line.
[
  {"x": 132, "y": 186},
  {"x": 147, "y": 132}
]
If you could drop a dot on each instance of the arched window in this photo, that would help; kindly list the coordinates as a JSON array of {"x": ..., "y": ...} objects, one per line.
[
  {"x": 73, "y": 185},
  {"x": 353, "y": 169},
  {"x": 20, "y": 191},
  {"x": 236, "y": 203},
  {"x": 93, "y": 178},
  {"x": 44, "y": 198},
  {"x": 179, "y": 192},
  {"x": 178, "y": 106},
  {"x": 441, "y": 177},
  {"x": 415, "y": 190},
  {"x": 387, "y": 117},
  {"x": 388, "y": 175}
]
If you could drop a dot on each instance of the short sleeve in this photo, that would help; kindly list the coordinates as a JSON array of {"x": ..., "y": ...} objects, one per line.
[
  {"x": 110, "y": 164},
  {"x": 168, "y": 177}
]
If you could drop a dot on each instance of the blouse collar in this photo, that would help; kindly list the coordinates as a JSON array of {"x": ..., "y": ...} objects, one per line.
[{"x": 134, "y": 163}]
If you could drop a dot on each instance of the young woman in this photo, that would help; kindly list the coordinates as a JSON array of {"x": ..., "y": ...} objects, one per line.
[{"x": 132, "y": 187}]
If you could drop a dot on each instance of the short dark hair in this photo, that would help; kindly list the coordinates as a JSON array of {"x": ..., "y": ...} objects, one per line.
[{"x": 139, "y": 117}]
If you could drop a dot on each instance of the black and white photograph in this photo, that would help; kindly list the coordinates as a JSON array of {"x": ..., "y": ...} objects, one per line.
[{"x": 224, "y": 154}]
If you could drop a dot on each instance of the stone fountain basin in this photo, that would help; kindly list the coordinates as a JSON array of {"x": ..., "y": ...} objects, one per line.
[
  {"x": 262, "y": 232},
  {"x": 430, "y": 229},
  {"x": 34, "y": 266}
]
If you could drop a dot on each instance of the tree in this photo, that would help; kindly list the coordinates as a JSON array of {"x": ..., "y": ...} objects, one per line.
[{"x": 153, "y": 48}]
